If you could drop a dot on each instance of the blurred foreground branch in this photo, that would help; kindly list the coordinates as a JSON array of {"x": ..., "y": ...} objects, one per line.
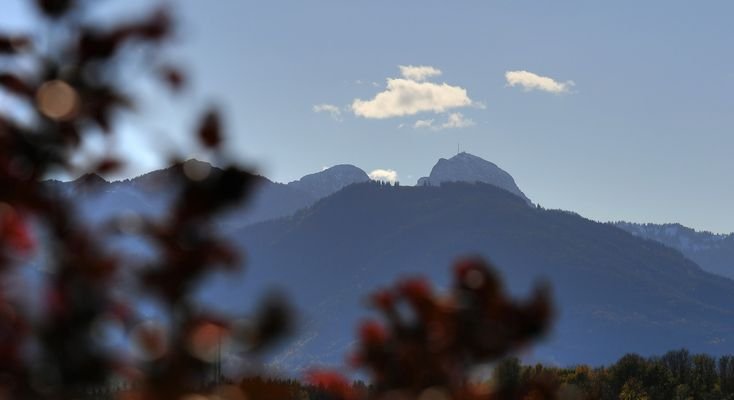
[{"x": 65, "y": 85}]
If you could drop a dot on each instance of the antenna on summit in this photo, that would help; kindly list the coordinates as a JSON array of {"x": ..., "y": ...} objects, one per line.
[{"x": 458, "y": 148}]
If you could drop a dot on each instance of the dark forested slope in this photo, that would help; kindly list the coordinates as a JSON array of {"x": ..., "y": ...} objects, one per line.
[{"x": 616, "y": 293}]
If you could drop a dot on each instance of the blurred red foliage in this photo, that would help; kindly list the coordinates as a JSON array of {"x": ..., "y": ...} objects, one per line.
[
  {"x": 426, "y": 345},
  {"x": 433, "y": 341},
  {"x": 74, "y": 90}
]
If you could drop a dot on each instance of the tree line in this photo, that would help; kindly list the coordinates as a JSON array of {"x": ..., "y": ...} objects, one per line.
[{"x": 676, "y": 375}]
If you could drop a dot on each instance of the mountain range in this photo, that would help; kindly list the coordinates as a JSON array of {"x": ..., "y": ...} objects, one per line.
[
  {"x": 331, "y": 237},
  {"x": 713, "y": 252}
]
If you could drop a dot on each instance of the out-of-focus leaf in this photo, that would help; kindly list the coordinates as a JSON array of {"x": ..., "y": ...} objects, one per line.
[
  {"x": 383, "y": 299},
  {"x": 14, "y": 230},
  {"x": 217, "y": 191},
  {"x": 95, "y": 44},
  {"x": 154, "y": 28},
  {"x": 108, "y": 165},
  {"x": 70, "y": 133},
  {"x": 66, "y": 352},
  {"x": 372, "y": 332},
  {"x": 15, "y": 85},
  {"x": 334, "y": 383},
  {"x": 272, "y": 322},
  {"x": 100, "y": 104},
  {"x": 14, "y": 44},
  {"x": 210, "y": 130},
  {"x": 433, "y": 340},
  {"x": 173, "y": 77},
  {"x": 55, "y": 8}
]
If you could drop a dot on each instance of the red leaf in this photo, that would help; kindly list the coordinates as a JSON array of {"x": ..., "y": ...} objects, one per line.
[
  {"x": 383, "y": 299},
  {"x": 415, "y": 289},
  {"x": 108, "y": 165},
  {"x": 372, "y": 333},
  {"x": 14, "y": 231},
  {"x": 333, "y": 382}
]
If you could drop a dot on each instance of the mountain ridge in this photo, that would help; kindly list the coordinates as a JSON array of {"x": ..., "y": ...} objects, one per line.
[
  {"x": 617, "y": 293},
  {"x": 323, "y": 183},
  {"x": 272, "y": 199},
  {"x": 612, "y": 286},
  {"x": 714, "y": 252}
]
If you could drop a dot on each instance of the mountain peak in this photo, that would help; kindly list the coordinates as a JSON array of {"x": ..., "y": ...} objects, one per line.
[
  {"x": 330, "y": 180},
  {"x": 465, "y": 167},
  {"x": 90, "y": 179},
  {"x": 89, "y": 182},
  {"x": 468, "y": 156}
]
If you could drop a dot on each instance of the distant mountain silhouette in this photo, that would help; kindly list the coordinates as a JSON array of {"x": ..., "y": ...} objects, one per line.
[
  {"x": 713, "y": 252},
  {"x": 330, "y": 180},
  {"x": 149, "y": 192},
  {"x": 465, "y": 167},
  {"x": 616, "y": 293}
]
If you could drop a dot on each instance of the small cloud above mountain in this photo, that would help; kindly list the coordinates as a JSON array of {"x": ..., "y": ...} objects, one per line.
[
  {"x": 457, "y": 120},
  {"x": 530, "y": 81},
  {"x": 384, "y": 175},
  {"x": 454, "y": 121}
]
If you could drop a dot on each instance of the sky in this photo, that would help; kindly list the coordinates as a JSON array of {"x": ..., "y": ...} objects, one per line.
[{"x": 615, "y": 110}]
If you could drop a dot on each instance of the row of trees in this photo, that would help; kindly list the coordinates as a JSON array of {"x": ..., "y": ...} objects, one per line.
[{"x": 677, "y": 375}]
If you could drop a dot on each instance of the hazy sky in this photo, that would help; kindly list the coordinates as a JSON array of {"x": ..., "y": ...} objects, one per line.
[{"x": 615, "y": 110}]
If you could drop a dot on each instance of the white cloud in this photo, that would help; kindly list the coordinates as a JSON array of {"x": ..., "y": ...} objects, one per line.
[
  {"x": 406, "y": 97},
  {"x": 419, "y": 72},
  {"x": 333, "y": 110},
  {"x": 530, "y": 81},
  {"x": 454, "y": 121},
  {"x": 423, "y": 123},
  {"x": 385, "y": 175},
  {"x": 457, "y": 120}
]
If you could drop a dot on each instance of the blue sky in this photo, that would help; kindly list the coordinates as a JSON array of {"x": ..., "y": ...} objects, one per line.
[{"x": 645, "y": 132}]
